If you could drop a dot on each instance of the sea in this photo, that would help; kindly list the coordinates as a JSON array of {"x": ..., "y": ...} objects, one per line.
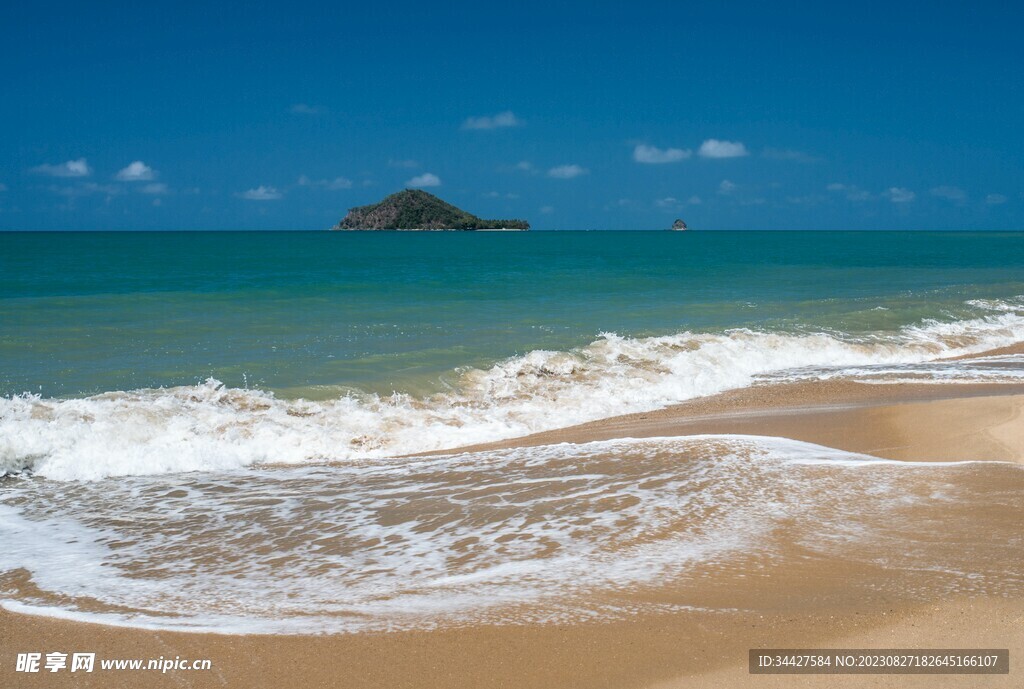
[{"x": 224, "y": 431}]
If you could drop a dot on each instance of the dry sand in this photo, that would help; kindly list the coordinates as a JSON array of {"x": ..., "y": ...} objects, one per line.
[{"x": 910, "y": 422}]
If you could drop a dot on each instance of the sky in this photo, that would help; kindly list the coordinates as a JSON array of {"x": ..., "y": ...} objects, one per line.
[{"x": 572, "y": 115}]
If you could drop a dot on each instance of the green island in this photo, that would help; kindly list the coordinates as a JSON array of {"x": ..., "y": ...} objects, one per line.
[{"x": 414, "y": 209}]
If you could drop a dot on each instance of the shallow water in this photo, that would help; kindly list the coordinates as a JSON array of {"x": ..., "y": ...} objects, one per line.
[{"x": 556, "y": 533}]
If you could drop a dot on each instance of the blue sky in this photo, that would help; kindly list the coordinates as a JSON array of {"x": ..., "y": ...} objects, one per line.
[{"x": 731, "y": 115}]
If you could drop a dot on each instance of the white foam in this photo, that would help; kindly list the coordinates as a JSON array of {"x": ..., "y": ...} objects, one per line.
[
  {"x": 211, "y": 428},
  {"x": 554, "y": 533}
]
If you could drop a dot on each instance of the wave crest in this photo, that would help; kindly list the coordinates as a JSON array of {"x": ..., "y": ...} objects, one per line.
[{"x": 210, "y": 427}]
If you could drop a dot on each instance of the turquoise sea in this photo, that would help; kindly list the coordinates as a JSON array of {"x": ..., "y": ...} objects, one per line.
[
  {"x": 306, "y": 314},
  {"x": 225, "y": 431}
]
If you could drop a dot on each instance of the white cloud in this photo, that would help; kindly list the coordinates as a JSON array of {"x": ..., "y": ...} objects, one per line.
[
  {"x": 406, "y": 164},
  {"x": 523, "y": 166},
  {"x": 330, "y": 184},
  {"x": 714, "y": 148},
  {"x": 851, "y": 191},
  {"x": 3, "y": 187},
  {"x": 726, "y": 187},
  {"x": 261, "y": 193},
  {"x": 304, "y": 109},
  {"x": 502, "y": 119},
  {"x": 900, "y": 195},
  {"x": 653, "y": 155},
  {"x": 71, "y": 168},
  {"x": 427, "y": 179},
  {"x": 955, "y": 194},
  {"x": 995, "y": 199},
  {"x": 547, "y": 210},
  {"x": 671, "y": 202},
  {"x": 499, "y": 195},
  {"x": 137, "y": 171},
  {"x": 156, "y": 188},
  {"x": 567, "y": 171}
]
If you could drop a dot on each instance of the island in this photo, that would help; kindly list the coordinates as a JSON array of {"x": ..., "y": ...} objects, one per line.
[
  {"x": 679, "y": 225},
  {"x": 414, "y": 209}
]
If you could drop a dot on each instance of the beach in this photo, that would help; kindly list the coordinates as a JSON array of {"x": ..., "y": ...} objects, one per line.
[
  {"x": 950, "y": 423},
  {"x": 610, "y": 346},
  {"x": 510, "y": 459}
]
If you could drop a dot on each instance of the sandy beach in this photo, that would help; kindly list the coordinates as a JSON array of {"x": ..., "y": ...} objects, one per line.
[
  {"x": 511, "y": 346},
  {"x": 801, "y": 604}
]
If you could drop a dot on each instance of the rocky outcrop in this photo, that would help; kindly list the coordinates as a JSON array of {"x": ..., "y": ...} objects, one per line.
[{"x": 414, "y": 209}]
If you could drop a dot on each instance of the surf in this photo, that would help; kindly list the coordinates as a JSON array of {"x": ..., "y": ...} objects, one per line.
[
  {"x": 212, "y": 427},
  {"x": 550, "y": 534}
]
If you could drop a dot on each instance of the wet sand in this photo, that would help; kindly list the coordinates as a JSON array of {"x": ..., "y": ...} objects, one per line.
[
  {"x": 699, "y": 649},
  {"x": 672, "y": 652},
  {"x": 922, "y": 422}
]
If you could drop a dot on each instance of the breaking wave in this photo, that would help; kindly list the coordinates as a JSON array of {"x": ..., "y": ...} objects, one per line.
[{"x": 210, "y": 427}]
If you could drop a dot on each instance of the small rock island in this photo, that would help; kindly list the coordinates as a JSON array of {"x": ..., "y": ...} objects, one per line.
[
  {"x": 679, "y": 225},
  {"x": 414, "y": 209}
]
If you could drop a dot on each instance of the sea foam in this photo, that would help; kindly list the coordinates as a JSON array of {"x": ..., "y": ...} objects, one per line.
[
  {"x": 558, "y": 533},
  {"x": 210, "y": 427}
]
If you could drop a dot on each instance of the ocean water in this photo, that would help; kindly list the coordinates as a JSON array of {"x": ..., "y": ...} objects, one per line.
[
  {"x": 132, "y": 353},
  {"x": 212, "y": 430},
  {"x": 86, "y": 313}
]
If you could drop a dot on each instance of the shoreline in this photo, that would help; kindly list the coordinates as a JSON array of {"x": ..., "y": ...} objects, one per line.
[
  {"x": 665, "y": 651},
  {"x": 901, "y": 422},
  {"x": 653, "y": 652}
]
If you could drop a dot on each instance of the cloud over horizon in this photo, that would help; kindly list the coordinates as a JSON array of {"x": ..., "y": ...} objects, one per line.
[
  {"x": 261, "y": 193},
  {"x": 499, "y": 121},
  {"x": 851, "y": 191},
  {"x": 674, "y": 204},
  {"x": 330, "y": 184},
  {"x": 567, "y": 171},
  {"x": 427, "y": 179},
  {"x": 70, "y": 168},
  {"x": 715, "y": 148},
  {"x": 136, "y": 171},
  {"x": 900, "y": 195},
  {"x": 654, "y": 155}
]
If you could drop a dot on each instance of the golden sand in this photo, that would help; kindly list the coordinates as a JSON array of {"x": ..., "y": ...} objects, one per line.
[{"x": 907, "y": 422}]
